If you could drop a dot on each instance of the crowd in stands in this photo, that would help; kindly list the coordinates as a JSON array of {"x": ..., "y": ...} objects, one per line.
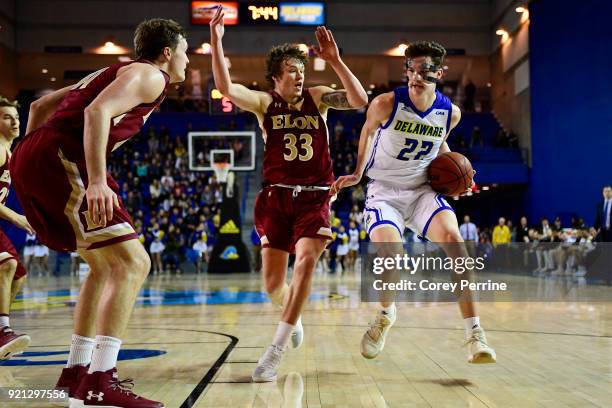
[
  {"x": 549, "y": 249},
  {"x": 175, "y": 211}
]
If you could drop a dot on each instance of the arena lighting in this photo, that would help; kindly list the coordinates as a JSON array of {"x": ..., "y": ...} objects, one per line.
[
  {"x": 303, "y": 47},
  {"x": 205, "y": 48},
  {"x": 520, "y": 9},
  {"x": 53, "y": 79},
  {"x": 44, "y": 70},
  {"x": 372, "y": 86},
  {"x": 334, "y": 86},
  {"x": 485, "y": 188},
  {"x": 319, "y": 64},
  {"x": 503, "y": 34},
  {"x": 109, "y": 44},
  {"x": 402, "y": 47}
]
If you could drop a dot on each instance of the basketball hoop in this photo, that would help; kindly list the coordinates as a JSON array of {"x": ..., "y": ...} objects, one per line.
[{"x": 221, "y": 171}]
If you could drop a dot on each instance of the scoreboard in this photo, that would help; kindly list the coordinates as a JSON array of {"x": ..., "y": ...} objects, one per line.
[{"x": 269, "y": 13}]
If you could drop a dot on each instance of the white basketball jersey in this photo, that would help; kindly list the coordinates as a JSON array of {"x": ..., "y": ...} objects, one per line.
[{"x": 409, "y": 141}]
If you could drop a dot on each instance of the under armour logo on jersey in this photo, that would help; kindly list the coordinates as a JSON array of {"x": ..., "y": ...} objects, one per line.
[{"x": 91, "y": 395}]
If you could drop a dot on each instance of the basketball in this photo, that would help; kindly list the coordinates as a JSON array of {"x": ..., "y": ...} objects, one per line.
[{"x": 450, "y": 174}]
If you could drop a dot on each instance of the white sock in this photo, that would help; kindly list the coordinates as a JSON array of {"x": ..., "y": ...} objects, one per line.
[
  {"x": 80, "y": 351},
  {"x": 470, "y": 324},
  {"x": 389, "y": 310},
  {"x": 282, "y": 335},
  {"x": 278, "y": 296},
  {"x": 105, "y": 354},
  {"x": 4, "y": 320}
]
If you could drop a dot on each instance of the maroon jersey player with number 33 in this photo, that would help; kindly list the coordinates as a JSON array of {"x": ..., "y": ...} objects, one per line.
[{"x": 292, "y": 210}]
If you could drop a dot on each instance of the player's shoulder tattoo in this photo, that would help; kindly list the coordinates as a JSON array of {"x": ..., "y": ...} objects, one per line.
[{"x": 336, "y": 100}]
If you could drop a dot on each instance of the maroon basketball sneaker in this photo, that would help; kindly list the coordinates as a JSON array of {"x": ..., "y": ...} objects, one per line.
[
  {"x": 12, "y": 343},
  {"x": 104, "y": 389},
  {"x": 71, "y": 379}
]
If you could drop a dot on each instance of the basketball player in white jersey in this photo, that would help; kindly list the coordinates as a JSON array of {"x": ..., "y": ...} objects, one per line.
[{"x": 409, "y": 127}]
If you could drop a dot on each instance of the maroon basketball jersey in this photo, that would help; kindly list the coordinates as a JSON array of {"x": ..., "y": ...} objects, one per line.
[
  {"x": 69, "y": 117},
  {"x": 297, "y": 149},
  {"x": 5, "y": 179}
]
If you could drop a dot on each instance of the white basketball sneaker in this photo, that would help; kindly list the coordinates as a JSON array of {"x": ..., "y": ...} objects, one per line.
[
  {"x": 478, "y": 350},
  {"x": 297, "y": 337},
  {"x": 373, "y": 341},
  {"x": 267, "y": 366}
]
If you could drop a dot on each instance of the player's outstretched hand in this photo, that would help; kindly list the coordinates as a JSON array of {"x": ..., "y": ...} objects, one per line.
[
  {"x": 100, "y": 203},
  {"x": 327, "y": 49},
  {"x": 23, "y": 223},
  {"x": 342, "y": 182},
  {"x": 217, "y": 28}
]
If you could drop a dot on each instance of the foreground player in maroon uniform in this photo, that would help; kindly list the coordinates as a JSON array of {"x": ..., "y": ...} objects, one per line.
[
  {"x": 75, "y": 205},
  {"x": 292, "y": 210},
  {"x": 12, "y": 272}
]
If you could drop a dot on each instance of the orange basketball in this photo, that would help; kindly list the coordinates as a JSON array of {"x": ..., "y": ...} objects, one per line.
[{"x": 450, "y": 174}]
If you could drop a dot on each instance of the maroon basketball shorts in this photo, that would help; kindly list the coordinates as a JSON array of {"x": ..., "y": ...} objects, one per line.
[
  {"x": 282, "y": 219},
  {"x": 51, "y": 189},
  {"x": 8, "y": 252}
]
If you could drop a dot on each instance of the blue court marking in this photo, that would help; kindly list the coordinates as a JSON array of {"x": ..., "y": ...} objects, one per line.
[
  {"x": 155, "y": 297},
  {"x": 32, "y": 358}
]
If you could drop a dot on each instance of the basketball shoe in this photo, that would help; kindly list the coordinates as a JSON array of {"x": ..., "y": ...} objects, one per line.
[
  {"x": 267, "y": 366},
  {"x": 297, "y": 336},
  {"x": 12, "y": 343},
  {"x": 104, "y": 389},
  {"x": 70, "y": 379},
  {"x": 373, "y": 341},
  {"x": 479, "y": 352}
]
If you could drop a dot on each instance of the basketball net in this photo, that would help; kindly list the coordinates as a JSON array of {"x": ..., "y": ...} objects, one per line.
[{"x": 222, "y": 172}]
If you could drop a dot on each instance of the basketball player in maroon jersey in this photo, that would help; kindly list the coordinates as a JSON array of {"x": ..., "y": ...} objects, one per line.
[
  {"x": 292, "y": 210},
  {"x": 75, "y": 206},
  {"x": 12, "y": 272}
]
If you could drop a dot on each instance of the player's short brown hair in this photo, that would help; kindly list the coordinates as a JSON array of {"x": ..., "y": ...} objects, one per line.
[
  {"x": 6, "y": 102},
  {"x": 426, "y": 49},
  {"x": 152, "y": 36},
  {"x": 278, "y": 55}
]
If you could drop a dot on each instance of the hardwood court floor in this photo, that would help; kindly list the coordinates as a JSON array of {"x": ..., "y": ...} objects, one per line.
[{"x": 193, "y": 341}]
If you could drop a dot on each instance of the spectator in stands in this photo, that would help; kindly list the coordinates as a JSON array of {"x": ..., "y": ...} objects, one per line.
[
  {"x": 512, "y": 230},
  {"x": 356, "y": 215},
  {"x": 470, "y": 97},
  {"x": 501, "y": 233},
  {"x": 156, "y": 250},
  {"x": 201, "y": 248},
  {"x": 476, "y": 137},
  {"x": 468, "y": 230},
  {"x": 557, "y": 225},
  {"x": 603, "y": 217},
  {"x": 342, "y": 249},
  {"x": 522, "y": 231},
  {"x": 358, "y": 195}
]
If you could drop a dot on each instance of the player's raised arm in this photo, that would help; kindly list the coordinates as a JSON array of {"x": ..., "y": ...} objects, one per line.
[
  {"x": 137, "y": 84},
  {"x": 455, "y": 118},
  {"x": 353, "y": 95},
  {"x": 242, "y": 96},
  {"x": 378, "y": 113},
  {"x": 42, "y": 108}
]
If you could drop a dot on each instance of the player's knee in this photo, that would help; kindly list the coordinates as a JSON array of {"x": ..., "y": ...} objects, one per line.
[
  {"x": 305, "y": 263},
  {"x": 8, "y": 268}
]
